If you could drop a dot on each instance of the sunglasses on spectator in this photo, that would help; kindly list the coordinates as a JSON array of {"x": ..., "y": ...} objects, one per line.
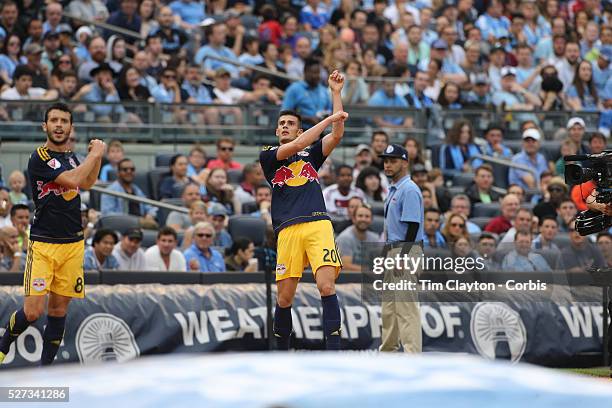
[
  {"x": 557, "y": 189},
  {"x": 127, "y": 169},
  {"x": 227, "y": 149},
  {"x": 456, "y": 224},
  {"x": 170, "y": 76},
  {"x": 204, "y": 235}
]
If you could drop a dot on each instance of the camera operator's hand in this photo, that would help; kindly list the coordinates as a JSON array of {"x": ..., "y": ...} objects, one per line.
[{"x": 600, "y": 207}]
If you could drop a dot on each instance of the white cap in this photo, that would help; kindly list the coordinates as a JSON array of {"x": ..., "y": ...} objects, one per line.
[
  {"x": 532, "y": 133},
  {"x": 508, "y": 71},
  {"x": 207, "y": 21},
  {"x": 361, "y": 147},
  {"x": 83, "y": 29},
  {"x": 575, "y": 121}
]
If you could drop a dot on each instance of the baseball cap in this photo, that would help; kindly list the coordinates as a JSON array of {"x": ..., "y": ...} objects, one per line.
[
  {"x": 575, "y": 121},
  {"x": 51, "y": 34},
  {"x": 134, "y": 233},
  {"x": 207, "y": 21},
  {"x": 506, "y": 71},
  {"x": 101, "y": 68},
  {"x": 32, "y": 48},
  {"x": 217, "y": 209},
  {"x": 606, "y": 53},
  {"x": 439, "y": 45},
  {"x": 361, "y": 147},
  {"x": 558, "y": 181},
  {"x": 498, "y": 47},
  {"x": 84, "y": 29},
  {"x": 64, "y": 28},
  {"x": 221, "y": 72},
  {"x": 418, "y": 168},
  {"x": 395, "y": 150},
  {"x": 479, "y": 79},
  {"x": 532, "y": 133}
]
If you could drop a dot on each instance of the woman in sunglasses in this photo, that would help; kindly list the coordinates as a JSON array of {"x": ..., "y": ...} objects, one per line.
[{"x": 454, "y": 228}]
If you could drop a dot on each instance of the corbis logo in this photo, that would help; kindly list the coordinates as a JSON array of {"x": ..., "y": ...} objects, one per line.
[
  {"x": 498, "y": 331},
  {"x": 105, "y": 337}
]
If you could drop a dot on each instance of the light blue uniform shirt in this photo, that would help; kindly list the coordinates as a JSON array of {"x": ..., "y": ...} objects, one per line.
[
  {"x": 404, "y": 204},
  {"x": 213, "y": 264},
  {"x": 515, "y": 176}
]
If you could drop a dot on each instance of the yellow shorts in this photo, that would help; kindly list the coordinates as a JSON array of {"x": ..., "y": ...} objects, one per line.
[
  {"x": 56, "y": 268},
  {"x": 308, "y": 243}
]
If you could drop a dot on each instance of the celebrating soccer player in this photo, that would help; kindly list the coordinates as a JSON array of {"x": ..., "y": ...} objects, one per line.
[
  {"x": 299, "y": 216},
  {"x": 54, "y": 263}
]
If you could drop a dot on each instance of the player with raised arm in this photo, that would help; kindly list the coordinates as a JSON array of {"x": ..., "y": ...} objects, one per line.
[
  {"x": 300, "y": 219},
  {"x": 54, "y": 263}
]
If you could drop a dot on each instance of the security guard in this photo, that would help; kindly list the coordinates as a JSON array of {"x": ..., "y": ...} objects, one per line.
[{"x": 404, "y": 220}]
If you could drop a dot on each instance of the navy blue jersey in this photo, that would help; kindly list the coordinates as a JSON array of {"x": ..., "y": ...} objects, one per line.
[
  {"x": 57, "y": 218},
  {"x": 296, "y": 193}
]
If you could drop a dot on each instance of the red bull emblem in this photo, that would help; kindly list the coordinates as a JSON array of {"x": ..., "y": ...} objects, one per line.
[
  {"x": 51, "y": 187},
  {"x": 296, "y": 174}
]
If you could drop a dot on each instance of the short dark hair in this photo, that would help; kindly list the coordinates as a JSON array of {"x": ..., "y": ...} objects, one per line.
[
  {"x": 603, "y": 234},
  {"x": 263, "y": 185},
  {"x": 486, "y": 235},
  {"x": 309, "y": 62},
  {"x": 101, "y": 233},
  {"x": 380, "y": 132},
  {"x": 494, "y": 126},
  {"x": 174, "y": 158},
  {"x": 125, "y": 159},
  {"x": 167, "y": 231},
  {"x": 341, "y": 167},
  {"x": 60, "y": 107},
  {"x": 22, "y": 70},
  {"x": 519, "y": 232},
  {"x": 68, "y": 74},
  {"x": 240, "y": 243},
  {"x": 292, "y": 113},
  {"x": 432, "y": 209},
  {"x": 18, "y": 207},
  {"x": 597, "y": 135},
  {"x": 548, "y": 217}
]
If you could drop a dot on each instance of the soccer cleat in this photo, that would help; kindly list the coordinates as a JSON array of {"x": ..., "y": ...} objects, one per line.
[{"x": 2, "y": 356}]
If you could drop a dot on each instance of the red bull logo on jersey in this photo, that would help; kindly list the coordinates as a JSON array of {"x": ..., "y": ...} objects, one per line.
[
  {"x": 296, "y": 174},
  {"x": 44, "y": 189}
]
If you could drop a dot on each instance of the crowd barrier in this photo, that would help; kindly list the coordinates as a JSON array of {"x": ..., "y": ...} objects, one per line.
[{"x": 196, "y": 313}]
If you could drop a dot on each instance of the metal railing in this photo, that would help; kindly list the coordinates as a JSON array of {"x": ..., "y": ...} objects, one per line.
[{"x": 253, "y": 123}]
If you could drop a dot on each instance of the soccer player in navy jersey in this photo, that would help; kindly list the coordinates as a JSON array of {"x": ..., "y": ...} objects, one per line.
[
  {"x": 54, "y": 264},
  {"x": 299, "y": 216}
]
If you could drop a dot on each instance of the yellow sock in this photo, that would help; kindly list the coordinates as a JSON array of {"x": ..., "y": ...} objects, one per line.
[{"x": 2, "y": 355}]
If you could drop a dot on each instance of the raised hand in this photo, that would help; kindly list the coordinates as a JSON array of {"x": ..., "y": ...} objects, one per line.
[
  {"x": 336, "y": 81},
  {"x": 339, "y": 116}
]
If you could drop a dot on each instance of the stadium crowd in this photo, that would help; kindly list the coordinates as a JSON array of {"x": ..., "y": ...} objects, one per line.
[{"x": 520, "y": 58}]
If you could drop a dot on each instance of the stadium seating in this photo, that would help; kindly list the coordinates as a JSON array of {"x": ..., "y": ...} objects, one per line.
[
  {"x": 481, "y": 221},
  {"x": 253, "y": 228},
  {"x": 234, "y": 176},
  {"x": 155, "y": 176},
  {"x": 163, "y": 159},
  {"x": 162, "y": 213},
  {"x": 378, "y": 224},
  {"x": 486, "y": 210},
  {"x": 120, "y": 223}
]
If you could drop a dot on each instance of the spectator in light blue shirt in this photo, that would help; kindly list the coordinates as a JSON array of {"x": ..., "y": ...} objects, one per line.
[
  {"x": 531, "y": 158},
  {"x": 493, "y": 24},
  {"x": 308, "y": 97},
  {"x": 103, "y": 90},
  {"x": 582, "y": 95},
  {"x": 313, "y": 15},
  {"x": 521, "y": 259},
  {"x": 387, "y": 97},
  {"x": 494, "y": 135},
  {"x": 200, "y": 256},
  {"x": 602, "y": 69},
  {"x": 109, "y": 204},
  {"x": 190, "y": 11},
  {"x": 216, "y": 35},
  {"x": 100, "y": 256}
]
